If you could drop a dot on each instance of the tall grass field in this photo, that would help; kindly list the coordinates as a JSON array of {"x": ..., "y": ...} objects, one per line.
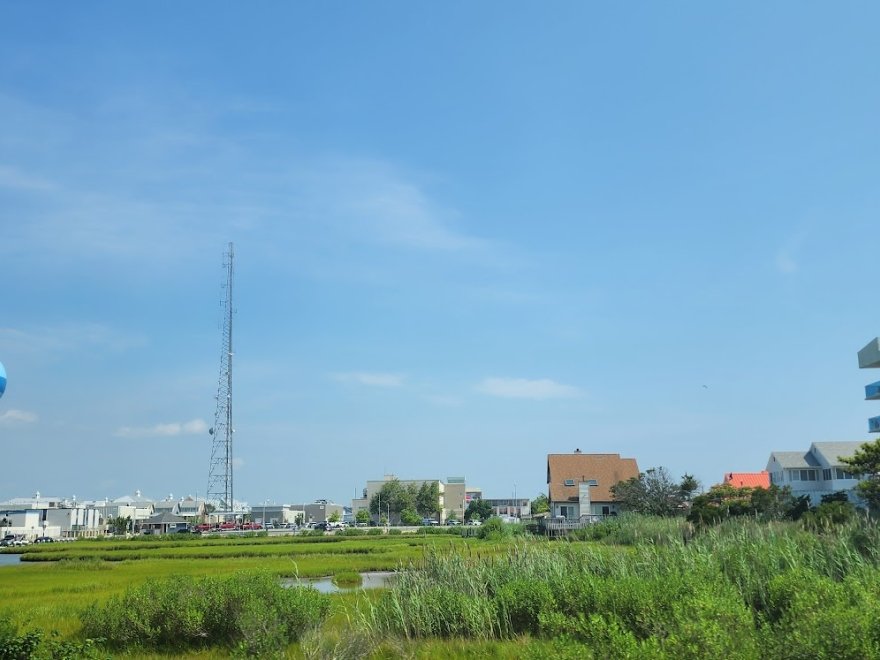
[{"x": 634, "y": 588}]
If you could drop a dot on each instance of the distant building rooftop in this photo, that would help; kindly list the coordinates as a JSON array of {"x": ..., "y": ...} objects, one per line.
[{"x": 748, "y": 479}]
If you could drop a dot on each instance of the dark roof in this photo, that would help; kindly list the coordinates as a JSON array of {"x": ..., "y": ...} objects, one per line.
[
  {"x": 607, "y": 469},
  {"x": 165, "y": 518}
]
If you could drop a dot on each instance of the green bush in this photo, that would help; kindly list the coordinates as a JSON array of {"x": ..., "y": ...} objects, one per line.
[
  {"x": 594, "y": 636},
  {"x": 248, "y": 612},
  {"x": 493, "y": 529},
  {"x": 520, "y": 603},
  {"x": 348, "y": 579},
  {"x": 14, "y": 646},
  {"x": 351, "y": 531}
]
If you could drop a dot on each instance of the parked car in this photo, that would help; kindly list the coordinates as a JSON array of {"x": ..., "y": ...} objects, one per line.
[
  {"x": 323, "y": 526},
  {"x": 44, "y": 539},
  {"x": 453, "y": 522},
  {"x": 429, "y": 522},
  {"x": 227, "y": 526},
  {"x": 474, "y": 523},
  {"x": 251, "y": 526},
  {"x": 203, "y": 527}
]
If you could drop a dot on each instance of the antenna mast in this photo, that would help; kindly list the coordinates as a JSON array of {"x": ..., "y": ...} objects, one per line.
[{"x": 220, "y": 469}]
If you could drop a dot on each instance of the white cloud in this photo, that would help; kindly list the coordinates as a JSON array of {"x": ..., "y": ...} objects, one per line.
[
  {"x": 66, "y": 338},
  {"x": 370, "y": 200},
  {"x": 13, "y": 178},
  {"x": 524, "y": 388},
  {"x": 785, "y": 263},
  {"x": 171, "y": 429},
  {"x": 786, "y": 256},
  {"x": 12, "y": 416},
  {"x": 372, "y": 379},
  {"x": 443, "y": 400}
]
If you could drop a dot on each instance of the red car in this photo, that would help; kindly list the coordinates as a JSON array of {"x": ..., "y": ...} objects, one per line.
[
  {"x": 227, "y": 526},
  {"x": 251, "y": 526},
  {"x": 203, "y": 527}
]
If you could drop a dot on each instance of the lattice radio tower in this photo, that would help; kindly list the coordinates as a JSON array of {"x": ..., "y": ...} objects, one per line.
[{"x": 220, "y": 470}]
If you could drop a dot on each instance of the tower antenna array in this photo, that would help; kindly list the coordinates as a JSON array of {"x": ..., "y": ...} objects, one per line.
[{"x": 220, "y": 469}]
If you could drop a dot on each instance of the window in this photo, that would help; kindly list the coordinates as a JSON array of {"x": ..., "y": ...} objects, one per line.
[
  {"x": 808, "y": 475},
  {"x": 826, "y": 474},
  {"x": 569, "y": 482},
  {"x": 844, "y": 474},
  {"x": 606, "y": 510}
]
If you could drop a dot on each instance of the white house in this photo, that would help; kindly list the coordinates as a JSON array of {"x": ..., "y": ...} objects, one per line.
[{"x": 816, "y": 472}]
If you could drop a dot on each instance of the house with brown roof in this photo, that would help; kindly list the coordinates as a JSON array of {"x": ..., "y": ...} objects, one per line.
[{"x": 580, "y": 484}]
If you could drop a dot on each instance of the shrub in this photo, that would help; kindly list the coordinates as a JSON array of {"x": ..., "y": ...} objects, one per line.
[
  {"x": 599, "y": 636},
  {"x": 493, "y": 529},
  {"x": 350, "y": 531},
  {"x": 348, "y": 579},
  {"x": 520, "y": 603},
  {"x": 14, "y": 646},
  {"x": 249, "y": 612}
]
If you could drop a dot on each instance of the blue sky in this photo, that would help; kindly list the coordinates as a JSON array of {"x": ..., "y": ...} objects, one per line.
[{"x": 466, "y": 236}]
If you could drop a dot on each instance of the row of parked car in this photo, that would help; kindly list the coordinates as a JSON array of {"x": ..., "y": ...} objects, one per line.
[{"x": 12, "y": 540}]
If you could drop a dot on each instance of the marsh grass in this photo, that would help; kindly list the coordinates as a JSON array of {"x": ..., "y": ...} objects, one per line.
[
  {"x": 743, "y": 589},
  {"x": 248, "y": 612},
  {"x": 348, "y": 579}
]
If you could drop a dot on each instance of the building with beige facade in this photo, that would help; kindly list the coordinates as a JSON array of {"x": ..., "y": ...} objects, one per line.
[{"x": 452, "y": 494}]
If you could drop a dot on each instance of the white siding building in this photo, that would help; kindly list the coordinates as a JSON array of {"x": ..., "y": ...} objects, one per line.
[{"x": 816, "y": 472}]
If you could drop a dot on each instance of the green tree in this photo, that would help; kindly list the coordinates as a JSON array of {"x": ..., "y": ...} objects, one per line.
[
  {"x": 395, "y": 496},
  {"x": 428, "y": 499},
  {"x": 866, "y": 463},
  {"x": 725, "y": 501},
  {"x": 540, "y": 504},
  {"x": 362, "y": 517},
  {"x": 410, "y": 517},
  {"x": 654, "y": 492},
  {"x": 119, "y": 525},
  {"x": 478, "y": 509},
  {"x": 334, "y": 517}
]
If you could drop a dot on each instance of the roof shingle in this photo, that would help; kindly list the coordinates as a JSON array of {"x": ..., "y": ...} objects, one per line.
[
  {"x": 748, "y": 479},
  {"x": 607, "y": 469}
]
